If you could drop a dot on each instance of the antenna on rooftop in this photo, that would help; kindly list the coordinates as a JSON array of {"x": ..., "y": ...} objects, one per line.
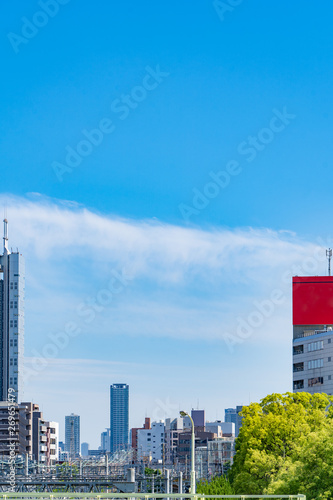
[
  {"x": 5, "y": 235},
  {"x": 329, "y": 256}
]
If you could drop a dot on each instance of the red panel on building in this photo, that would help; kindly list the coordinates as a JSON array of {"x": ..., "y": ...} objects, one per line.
[{"x": 313, "y": 300}]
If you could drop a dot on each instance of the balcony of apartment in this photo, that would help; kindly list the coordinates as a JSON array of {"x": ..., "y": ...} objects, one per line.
[
  {"x": 42, "y": 448},
  {"x": 43, "y": 439},
  {"x": 298, "y": 367},
  {"x": 7, "y": 437},
  {"x": 311, "y": 333},
  {"x": 299, "y": 349},
  {"x": 298, "y": 384}
]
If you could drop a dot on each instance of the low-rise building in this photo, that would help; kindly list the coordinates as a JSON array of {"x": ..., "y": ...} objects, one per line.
[
  {"x": 172, "y": 429},
  {"x": 52, "y": 442},
  {"x": 233, "y": 415},
  {"x": 184, "y": 443},
  {"x": 64, "y": 456},
  {"x": 221, "y": 429},
  {"x": 84, "y": 449},
  {"x": 151, "y": 442},
  {"x": 105, "y": 440},
  {"x": 134, "y": 435},
  {"x": 23, "y": 430},
  {"x": 215, "y": 457}
]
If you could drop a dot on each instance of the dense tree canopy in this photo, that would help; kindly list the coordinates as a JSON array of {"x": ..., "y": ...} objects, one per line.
[
  {"x": 285, "y": 445},
  {"x": 219, "y": 485}
]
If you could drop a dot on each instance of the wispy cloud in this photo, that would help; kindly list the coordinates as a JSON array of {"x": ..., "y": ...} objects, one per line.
[
  {"x": 189, "y": 281},
  {"x": 62, "y": 230}
]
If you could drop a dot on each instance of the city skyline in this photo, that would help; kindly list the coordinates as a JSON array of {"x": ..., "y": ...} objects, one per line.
[
  {"x": 166, "y": 172},
  {"x": 45, "y": 365}
]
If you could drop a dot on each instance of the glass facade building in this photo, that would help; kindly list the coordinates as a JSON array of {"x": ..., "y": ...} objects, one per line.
[
  {"x": 119, "y": 417},
  {"x": 72, "y": 435}
]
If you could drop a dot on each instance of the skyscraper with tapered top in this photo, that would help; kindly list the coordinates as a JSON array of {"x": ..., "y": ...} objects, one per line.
[{"x": 12, "y": 281}]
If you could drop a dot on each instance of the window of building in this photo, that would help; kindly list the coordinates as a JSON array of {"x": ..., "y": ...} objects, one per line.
[
  {"x": 315, "y": 381},
  {"x": 11, "y": 362},
  {"x": 15, "y": 361},
  {"x": 15, "y": 322},
  {"x": 329, "y": 341},
  {"x": 315, "y": 363},
  {"x": 11, "y": 285},
  {"x": 11, "y": 380},
  {"x": 329, "y": 358},
  {"x": 11, "y": 304},
  {"x": 15, "y": 342},
  {"x": 315, "y": 346},
  {"x": 329, "y": 377},
  {"x": 15, "y": 285},
  {"x": 298, "y": 349},
  {"x": 298, "y": 367},
  {"x": 11, "y": 343},
  {"x": 11, "y": 323},
  {"x": 298, "y": 384},
  {"x": 15, "y": 304}
]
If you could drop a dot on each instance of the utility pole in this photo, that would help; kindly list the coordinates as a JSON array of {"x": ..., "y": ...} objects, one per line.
[{"x": 329, "y": 256}]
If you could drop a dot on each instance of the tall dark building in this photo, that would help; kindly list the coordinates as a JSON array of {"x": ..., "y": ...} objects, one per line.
[
  {"x": 72, "y": 435},
  {"x": 12, "y": 275},
  {"x": 119, "y": 417}
]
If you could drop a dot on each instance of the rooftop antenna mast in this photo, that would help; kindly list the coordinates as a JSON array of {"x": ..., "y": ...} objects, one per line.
[
  {"x": 329, "y": 256},
  {"x": 5, "y": 235}
]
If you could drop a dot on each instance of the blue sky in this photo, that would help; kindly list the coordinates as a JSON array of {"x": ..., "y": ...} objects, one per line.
[{"x": 222, "y": 83}]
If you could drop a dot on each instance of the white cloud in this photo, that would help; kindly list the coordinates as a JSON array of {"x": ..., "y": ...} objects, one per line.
[
  {"x": 62, "y": 230},
  {"x": 187, "y": 282}
]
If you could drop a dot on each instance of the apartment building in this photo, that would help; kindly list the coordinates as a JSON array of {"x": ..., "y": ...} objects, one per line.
[{"x": 313, "y": 334}]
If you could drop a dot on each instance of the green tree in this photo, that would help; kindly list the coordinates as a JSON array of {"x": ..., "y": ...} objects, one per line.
[
  {"x": 219, "y": 485},
  {"x": 152, "y": 472},
  {"x": 312, "y": 473},
  {"x": 273, "y": 438}
]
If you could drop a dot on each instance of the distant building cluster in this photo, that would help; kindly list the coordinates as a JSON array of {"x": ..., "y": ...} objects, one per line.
[{"x": 168, "y": 441}]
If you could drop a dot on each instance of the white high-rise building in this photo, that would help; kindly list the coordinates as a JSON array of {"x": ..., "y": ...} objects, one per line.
[{"x": 12, "y": 282}]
